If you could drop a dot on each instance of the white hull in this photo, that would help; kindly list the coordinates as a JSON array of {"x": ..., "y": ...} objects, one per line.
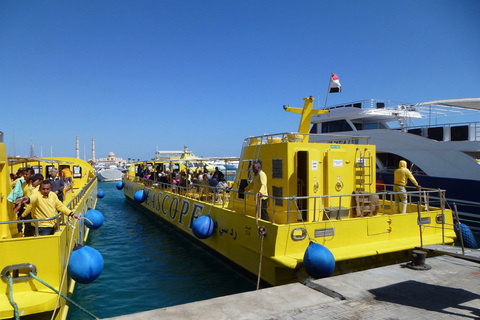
[{"x": 109, "y": 175}]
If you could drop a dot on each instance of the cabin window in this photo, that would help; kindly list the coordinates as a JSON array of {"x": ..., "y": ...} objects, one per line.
[
  {"x": 77, "y": 171},
  {"x": 417, "y": 132},
  {"x": 357, "y": 105},
  {"x": 459, "y": 133},
  {"x": 277, "y": 168},
  {"x": 380, "y": 105},
  {"x": 314, "y": 128},
  {"x": 336, "y": 126},
  {"x": 38, "y": 169},
  {"x": 48, "y": 170},
  {"x": 435, "y": 133},
  {"x": 370, "y": 126},
  {"x": 277, "y": 192}
]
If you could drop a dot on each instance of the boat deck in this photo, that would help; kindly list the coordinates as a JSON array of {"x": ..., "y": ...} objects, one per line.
[{"x": 449, "y": 290}]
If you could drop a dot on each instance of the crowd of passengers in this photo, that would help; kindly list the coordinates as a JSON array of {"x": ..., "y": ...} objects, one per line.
[
  {"x": 35, "y": 197},
  {"x": 199, "y": 179}
]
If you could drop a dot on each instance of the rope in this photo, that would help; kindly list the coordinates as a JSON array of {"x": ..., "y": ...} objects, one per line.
[
  {"x": 258, "y": 207},
  {"x": 10, "y": 297},
  {"x": 262, "y": 236},
  {"x": 65, "y": 270},
  {"x": 261, "y": 233},
  {"x": 63, "y": 296}
]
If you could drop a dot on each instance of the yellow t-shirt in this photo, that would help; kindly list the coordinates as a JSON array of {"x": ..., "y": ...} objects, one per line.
[
  {"x": 259, "y": 184},
  {"x": 46, "y": 207}
]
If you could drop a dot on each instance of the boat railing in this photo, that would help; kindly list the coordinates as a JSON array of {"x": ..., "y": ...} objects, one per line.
[
  {"x": 370, "y": 104},
  {"x": 320, "y": 208},
  {"x": 338, "y": 207},
  {"x": 301, "y": 137},
  {"x": 74, "y": 202},
  {"x": 58, "y": 219}
]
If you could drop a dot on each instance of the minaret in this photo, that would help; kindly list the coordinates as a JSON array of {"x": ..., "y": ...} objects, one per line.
[
  {"x": 32, "y": 147},
  {"x": 93, "y": 149},
  {"x": 78, "y": 150}
]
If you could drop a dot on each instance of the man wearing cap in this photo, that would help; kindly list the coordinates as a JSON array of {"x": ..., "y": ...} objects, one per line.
[{"x": 44, "y": 205}]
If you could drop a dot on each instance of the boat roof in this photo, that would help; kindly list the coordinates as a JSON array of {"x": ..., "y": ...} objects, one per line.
[
  {"x": 16, "y": 160},
  {"x": 467, "y": 103}
]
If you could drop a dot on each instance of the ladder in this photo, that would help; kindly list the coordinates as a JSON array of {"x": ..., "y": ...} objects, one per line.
[{"x": 363, "y": 170}]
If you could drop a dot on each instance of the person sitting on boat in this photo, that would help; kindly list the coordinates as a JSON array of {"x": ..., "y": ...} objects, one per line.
[
  {"x": 163, "y": 179},
  {"x": 57, "y": 184},
  {"x": 44, "y": 205},
  {"x": 401, "y": 176},
  {"x": 218, "y": 174},
  {"x": 259, "y": 185}
]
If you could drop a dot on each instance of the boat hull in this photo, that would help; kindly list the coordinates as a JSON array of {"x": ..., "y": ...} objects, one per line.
[{"x": 355, "y": 243}]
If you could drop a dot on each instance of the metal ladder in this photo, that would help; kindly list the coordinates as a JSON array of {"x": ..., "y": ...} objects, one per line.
[{"x": 363, "y": 170}]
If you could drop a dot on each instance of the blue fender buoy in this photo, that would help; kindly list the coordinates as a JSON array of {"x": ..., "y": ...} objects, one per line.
[
  {"x": 119, "y": 185},
  {"x": 318, "y": 261},
  {"x": 140, "y": 196},
  {"x": 100, "y": 194},
  {"x": 85, "y": 264},
  {"x": 94, "y": 219},
  {"x": 467, "y": 236},
  {"x": 203, "y": 227}
]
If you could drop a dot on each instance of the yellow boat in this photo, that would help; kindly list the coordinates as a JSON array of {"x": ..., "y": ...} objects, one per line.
[
  {"x": 320, "y": 194},
  {"x": 44, "y": 257}
]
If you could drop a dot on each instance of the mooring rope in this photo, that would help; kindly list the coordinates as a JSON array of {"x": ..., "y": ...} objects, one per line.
[
  {"x": 262, "y": 236},
  {"x": 10, "y": 297},
  {"x": 66, "y": 264},
  {"x": 63, "y": 296},
  {"x": 261, "y": 233}
]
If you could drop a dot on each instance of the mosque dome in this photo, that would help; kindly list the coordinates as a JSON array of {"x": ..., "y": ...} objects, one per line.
[{"x": 111, "y": 155}]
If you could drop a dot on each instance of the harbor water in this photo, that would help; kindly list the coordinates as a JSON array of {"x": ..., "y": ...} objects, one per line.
[{"x": 148, "y": 264}]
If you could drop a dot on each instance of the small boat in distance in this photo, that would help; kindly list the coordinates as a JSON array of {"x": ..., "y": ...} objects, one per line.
[
  {"x": 29, "y": 265},
  {"x": 322, "y": 204},
  {"x": 109, "y": 175},
  {"x": 440, "y": 140}
]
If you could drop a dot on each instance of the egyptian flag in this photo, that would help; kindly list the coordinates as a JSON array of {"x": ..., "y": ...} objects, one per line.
[{"x": 335, "y": 85}]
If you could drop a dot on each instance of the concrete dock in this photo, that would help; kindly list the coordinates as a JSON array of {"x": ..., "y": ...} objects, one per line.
[{"x": 449, "y": 290}]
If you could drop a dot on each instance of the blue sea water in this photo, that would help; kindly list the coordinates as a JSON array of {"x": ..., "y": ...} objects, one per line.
[{"x": 148, "y": 264}]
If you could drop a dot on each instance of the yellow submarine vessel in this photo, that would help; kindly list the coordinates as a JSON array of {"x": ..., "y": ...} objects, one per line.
[
  {"x": 321, "y": 195},
  {"x": 33, "y": 269}
]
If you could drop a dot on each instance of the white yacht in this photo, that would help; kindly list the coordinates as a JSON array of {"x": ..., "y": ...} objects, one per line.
[{"x": 440, "y": 140}]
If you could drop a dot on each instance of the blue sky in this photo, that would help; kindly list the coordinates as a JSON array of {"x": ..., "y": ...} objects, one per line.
[{"x": 142, "y": 75}]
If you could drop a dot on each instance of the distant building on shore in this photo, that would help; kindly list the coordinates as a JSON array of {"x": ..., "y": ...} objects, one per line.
[{"x": 110, "y": 161}]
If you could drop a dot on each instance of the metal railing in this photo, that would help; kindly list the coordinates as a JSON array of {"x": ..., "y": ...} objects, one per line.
[
  {"x": 59, "y": 217},
  {"x": 357, "y": 205}
]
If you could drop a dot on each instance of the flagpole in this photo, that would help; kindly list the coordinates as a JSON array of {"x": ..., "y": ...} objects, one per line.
[{"x": 328, "y": 92}]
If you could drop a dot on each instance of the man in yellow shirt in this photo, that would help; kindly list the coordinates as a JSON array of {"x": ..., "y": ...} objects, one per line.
[
  {"x": 44, "y": 204},
  {"x": 259, "y": 185},
  {"x": 401, "y": 176},
  {"x": 30, "y": 188}
]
